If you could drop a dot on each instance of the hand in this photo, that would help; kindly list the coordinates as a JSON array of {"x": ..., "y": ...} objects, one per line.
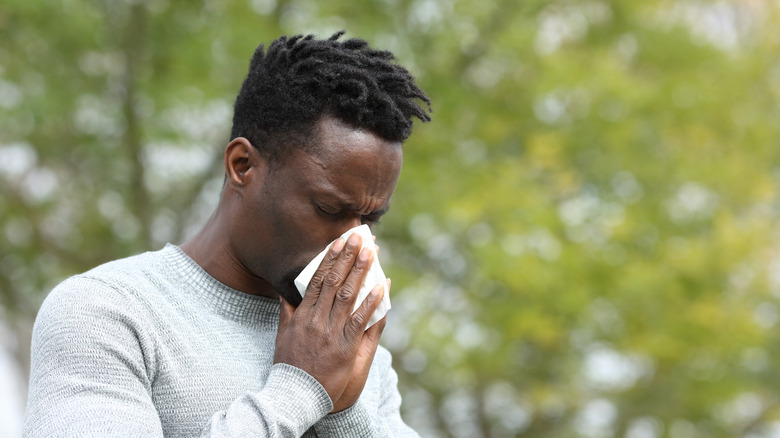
[
  {"x": 362, "y": 366},
  {"x": 322, "y": 336}
]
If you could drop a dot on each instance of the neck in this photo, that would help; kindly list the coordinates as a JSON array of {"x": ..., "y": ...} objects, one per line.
[{"x": 211, "y": 249}]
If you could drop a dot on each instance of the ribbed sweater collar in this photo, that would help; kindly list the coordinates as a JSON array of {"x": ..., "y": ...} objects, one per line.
[{"x": 222, "y": 299}]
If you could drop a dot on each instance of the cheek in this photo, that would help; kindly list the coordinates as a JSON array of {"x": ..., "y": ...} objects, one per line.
[{"x": 298, "y": 236}]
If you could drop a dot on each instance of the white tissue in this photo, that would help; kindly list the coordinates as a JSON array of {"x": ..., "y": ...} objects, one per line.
[{"x": 375, "y": 275}]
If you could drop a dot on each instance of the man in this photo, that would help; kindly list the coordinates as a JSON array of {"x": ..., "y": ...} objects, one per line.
[{"x": 205, "y": 339}]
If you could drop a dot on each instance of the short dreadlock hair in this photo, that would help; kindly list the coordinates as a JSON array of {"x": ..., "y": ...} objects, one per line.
[{"x": 301, "y": 79}]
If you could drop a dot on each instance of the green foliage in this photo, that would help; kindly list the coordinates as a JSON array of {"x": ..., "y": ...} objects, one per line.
[{"x": 583, "y": 241}]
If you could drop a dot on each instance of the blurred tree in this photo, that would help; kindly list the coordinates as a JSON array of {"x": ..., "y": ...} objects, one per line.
[{"x": 583, "y": 242}]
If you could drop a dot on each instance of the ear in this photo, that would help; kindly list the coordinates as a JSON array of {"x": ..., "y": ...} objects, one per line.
[{"x": 243, "y": 162}]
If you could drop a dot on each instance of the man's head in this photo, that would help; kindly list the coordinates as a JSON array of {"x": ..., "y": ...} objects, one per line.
[
  {"x": 315, "y": 151},
  {"x": 301, "y": 79}
]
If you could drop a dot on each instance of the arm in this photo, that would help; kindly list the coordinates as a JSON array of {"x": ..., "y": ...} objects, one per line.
[
  {"x": 290, "y": 402},
  {"x": 94, "y": 361},
  {"x": 340, "y": 352},
  {"x": 323, "y": 341},
  {"x": 89, "y": 374},
  {"x": 93, "y": 365}
]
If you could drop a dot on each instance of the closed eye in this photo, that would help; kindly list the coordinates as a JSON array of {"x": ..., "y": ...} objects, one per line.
[
  {"x": 326, "y": 211},
  {"x": 370, "y": 219}
]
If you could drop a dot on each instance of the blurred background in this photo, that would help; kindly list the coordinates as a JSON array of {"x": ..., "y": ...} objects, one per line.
[{"x": 584, "y": 242}]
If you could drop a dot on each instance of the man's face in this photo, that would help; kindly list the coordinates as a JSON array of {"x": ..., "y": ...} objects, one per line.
[{"x": 303, "y": 204}]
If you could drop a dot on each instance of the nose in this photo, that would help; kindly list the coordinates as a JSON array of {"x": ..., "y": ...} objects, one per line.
[
  {"x": 349, "y": 224},
  {"x": 344, "y": 224},
  {"x": 355, "y": 222}
]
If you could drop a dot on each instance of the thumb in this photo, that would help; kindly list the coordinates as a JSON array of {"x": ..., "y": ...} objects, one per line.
[{"x": 286, "y": 311}]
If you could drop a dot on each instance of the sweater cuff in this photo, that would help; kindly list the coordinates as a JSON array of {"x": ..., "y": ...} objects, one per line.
[
  {"x": 296, "y": 394},
  {"x": 352, "y": 422}
]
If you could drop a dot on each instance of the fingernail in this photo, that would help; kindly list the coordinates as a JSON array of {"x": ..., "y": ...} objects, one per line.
[
  {"x": 338, "y": 245},
  {"x": 365, "y": 253},
  {"x": 378, "y": 291},
  {"x": 354, "y": 240}
]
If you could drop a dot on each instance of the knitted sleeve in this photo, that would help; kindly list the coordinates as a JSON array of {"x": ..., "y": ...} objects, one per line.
[
  {"x": 93, "y": 365},
  {"x": 288, "y": 405},
  {"x": 366, "y": 419},
  {"x": 89, "y": 368}
]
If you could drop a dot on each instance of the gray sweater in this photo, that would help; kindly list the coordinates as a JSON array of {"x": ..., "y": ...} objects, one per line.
[{"x": 152, "y": 345}]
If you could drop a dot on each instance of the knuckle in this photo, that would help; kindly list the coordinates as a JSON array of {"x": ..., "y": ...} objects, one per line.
[
  {"x": 345, "y": 293},
  {"x": 330, "y": 260},
  {"x": 331, "y": 279},
  {"x": 347, "y": 256},
  {"x": 317, "y": 331},
  {"x": 312, "y": 325},
  {"x": 358, "y": 318},
  {"x": 331, "y": 256},
  {"x": 318, "y": 278}
]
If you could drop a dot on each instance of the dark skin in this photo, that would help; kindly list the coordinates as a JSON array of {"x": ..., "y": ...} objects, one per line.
[{"x": 273, "y": 218}]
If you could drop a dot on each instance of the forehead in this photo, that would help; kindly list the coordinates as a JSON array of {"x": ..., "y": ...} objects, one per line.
[
  {"x": 338, "y": 143},
  {"x": 351, "y": 165}
]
